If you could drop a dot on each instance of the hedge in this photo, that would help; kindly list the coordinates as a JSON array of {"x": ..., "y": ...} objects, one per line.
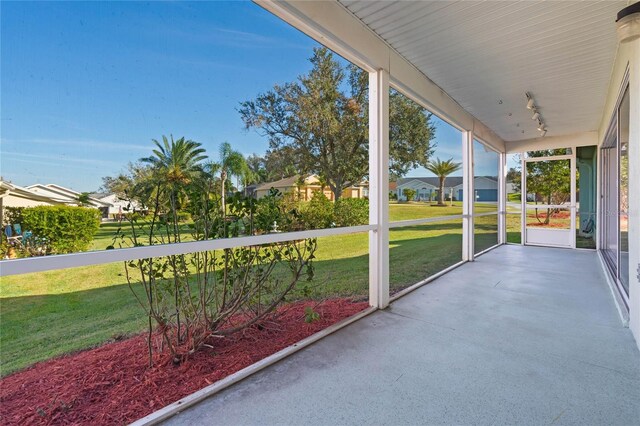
[
  {"x": 67, "y": 229},
  {"x": 318, "y": 212},
  {"x": 351, "y": 212}
]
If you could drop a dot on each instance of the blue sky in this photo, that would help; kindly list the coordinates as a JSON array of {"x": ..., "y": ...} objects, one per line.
[{"x": 86, "y": 85}]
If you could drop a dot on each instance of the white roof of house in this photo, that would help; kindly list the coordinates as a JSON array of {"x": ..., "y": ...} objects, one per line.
[
  {"x": 7, "y": 189},
  {"x": 64, "y": 194}
]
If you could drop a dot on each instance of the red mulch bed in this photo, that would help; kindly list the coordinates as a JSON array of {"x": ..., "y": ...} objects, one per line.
[{"x": 113, "y": 384}]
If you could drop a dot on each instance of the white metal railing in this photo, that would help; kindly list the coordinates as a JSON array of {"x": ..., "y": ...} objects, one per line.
[{"x": 63, "y": 261}]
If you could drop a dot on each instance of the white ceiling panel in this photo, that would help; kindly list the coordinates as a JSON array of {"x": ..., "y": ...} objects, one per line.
[{"x": 487, "y": 54}]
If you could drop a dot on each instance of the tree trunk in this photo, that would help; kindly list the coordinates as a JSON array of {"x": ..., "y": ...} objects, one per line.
[
  {"x": 337, "y": 192},
  {"x": 441, "y": 194},
  {"x": 223, "y": 180},
  {"x": 546, "y": 221}
]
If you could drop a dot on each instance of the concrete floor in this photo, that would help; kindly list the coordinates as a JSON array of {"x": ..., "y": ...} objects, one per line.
[{"x": 523, "y": 335}]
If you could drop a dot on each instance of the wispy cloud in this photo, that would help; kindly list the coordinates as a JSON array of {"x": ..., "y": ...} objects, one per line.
[
  {"x": 62, "y": 160},
  {"x": 204, "y": 63},
  {"x": 220, "y": 36},
  {"x": 43, "y": 163},
  {"x": 78, "y": 143}
]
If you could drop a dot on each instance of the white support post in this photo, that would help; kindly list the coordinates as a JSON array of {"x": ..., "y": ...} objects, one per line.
[
  {"x": 573, "y": 209},
  {"x": 379, "y": 188},
  {"x": 468, "y": 196},
  {"x": 598, "y": 171},
  {"x": 523, "y": 199},
  {"x": 502, "y": 199}
]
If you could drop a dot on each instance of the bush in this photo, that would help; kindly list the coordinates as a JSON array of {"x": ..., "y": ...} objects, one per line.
[
  {"x": 66, "y": 229},
  {"x": 192, "y": 298},
  {"x": 276, "y": 211},
  {"x": 12, "y": 215},
  {"x": 513, "y": 197},
  {"x": 409, "y": 194},
  {"x": 318, "y": 213},
  {"x": 351, "y": 212}
]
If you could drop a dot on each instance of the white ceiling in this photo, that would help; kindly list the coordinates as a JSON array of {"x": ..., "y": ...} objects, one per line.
[{"x": 484, "y": 52}]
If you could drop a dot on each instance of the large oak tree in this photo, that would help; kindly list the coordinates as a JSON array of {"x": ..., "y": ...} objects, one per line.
[{"x": 320, "y": 124}]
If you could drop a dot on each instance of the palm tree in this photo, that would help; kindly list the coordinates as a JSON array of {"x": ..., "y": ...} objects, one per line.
[
  {"x": 442, "y": 169},
  {"x": 232, "y": 163},
  {"x": 179, "y": 159},
  {"x": 177, "y": 163}
]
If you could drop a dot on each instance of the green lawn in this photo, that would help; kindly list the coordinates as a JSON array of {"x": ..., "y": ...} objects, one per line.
[
  {"x": 47, "y": 314},
  {"x": 514, "y": 227}
]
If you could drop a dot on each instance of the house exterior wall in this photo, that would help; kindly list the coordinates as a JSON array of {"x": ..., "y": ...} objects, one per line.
[
  {"x": 117, "y": 206},
  {"x": 261, "y": 193},
  {"x": 306, "y": 191},
  {"x": 13, "y": 201},
  {"x": 488, "y": 195},
  {"x": 485, "y": 189},
  {"x": 423, "y": 190}
]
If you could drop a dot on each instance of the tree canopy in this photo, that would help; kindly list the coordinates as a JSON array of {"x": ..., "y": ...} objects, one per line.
[
  {"x": 549, "y": 181},
  {"x": 319, "y": 124}
]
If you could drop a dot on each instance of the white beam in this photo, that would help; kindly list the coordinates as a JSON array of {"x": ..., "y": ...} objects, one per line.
[
  {"x": 552, "y": 142},
  {"x": 523, "y": 199},
  {"x": 502, "y": 199},
  {"x": 332, "y": 25},
  {"x": 468, "y": 197},
  {"x": 573, "y": 197},
  {"x": 379, "y": 189}
]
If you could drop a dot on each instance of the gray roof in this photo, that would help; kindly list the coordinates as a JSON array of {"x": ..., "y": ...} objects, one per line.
[
  {"x": 433, "y": 180},
  {"x": 282, "y": 183},
  {"x": 99, "y": 195}
]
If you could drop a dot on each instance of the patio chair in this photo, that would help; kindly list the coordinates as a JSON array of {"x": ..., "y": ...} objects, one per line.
[
  {"x": 11, "y": 235},
  {"x": 8, "y": 231}
]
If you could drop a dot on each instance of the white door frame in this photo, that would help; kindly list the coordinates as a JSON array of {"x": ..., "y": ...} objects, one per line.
[{"x": 545, "y": 236}]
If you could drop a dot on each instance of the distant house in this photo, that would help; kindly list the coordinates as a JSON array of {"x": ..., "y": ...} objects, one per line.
[
  {"x": 306, "y": 187},
  {"x": 68, "y": 196},
  {"x": 250, "y": 190},
  {"x": 12, "y": 195},
  {"x": 485, "y": 187},
  {"x": 117, "y": 206}
]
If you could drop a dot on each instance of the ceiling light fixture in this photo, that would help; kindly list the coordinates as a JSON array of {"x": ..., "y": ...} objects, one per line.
[
  {"x": 628, "y": 23},
  {"x": 542, "y": 128},
  {"x": 531, "y": 104}
]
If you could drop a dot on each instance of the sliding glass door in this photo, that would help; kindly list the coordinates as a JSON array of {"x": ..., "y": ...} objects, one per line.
[{"x": 614, "y": 205}]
